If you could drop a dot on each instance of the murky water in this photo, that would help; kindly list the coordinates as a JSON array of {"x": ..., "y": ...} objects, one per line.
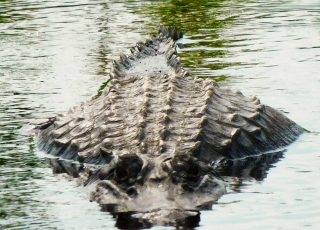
[{"x": 55, "y": 54}]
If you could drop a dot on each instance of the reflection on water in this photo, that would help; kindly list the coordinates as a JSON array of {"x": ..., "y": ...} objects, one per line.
[
  {"x": 234, "y": 172},
  {"x": 202, "y": 21},
  {"x": 55, "y": 54}
]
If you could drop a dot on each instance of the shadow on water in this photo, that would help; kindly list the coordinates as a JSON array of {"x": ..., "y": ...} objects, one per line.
[{"x": 243, "y": 170}]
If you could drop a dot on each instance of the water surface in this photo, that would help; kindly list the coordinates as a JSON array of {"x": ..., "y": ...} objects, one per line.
[{"x": 55, "y": 54}]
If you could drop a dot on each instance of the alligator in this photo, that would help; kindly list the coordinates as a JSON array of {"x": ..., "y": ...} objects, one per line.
[{"x": 153, "y": 143}]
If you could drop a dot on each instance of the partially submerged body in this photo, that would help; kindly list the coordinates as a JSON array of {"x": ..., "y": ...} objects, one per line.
[{"x": 150, "y": 142}]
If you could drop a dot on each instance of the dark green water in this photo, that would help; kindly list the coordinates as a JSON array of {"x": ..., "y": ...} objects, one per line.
[{"x": 55, "y": 54}]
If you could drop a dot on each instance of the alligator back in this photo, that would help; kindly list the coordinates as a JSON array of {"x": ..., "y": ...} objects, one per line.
[
  {"x": 159, "y": 134},
  {"x": 154, "y": 108}
]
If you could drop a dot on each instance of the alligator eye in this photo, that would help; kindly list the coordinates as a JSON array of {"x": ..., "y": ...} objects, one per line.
[
  {"x": 193, "y": 170},
  {"x": 128, "y": 167},
  {"x": 131, "y": 191},
  {"x": 122, "y": 173}
]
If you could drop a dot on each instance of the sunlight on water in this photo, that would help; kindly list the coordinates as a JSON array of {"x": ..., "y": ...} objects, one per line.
[{"x": 55, "y": 54}]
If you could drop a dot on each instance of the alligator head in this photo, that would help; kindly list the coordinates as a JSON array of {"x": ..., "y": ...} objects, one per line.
[{"x": 152, "y": 142}]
